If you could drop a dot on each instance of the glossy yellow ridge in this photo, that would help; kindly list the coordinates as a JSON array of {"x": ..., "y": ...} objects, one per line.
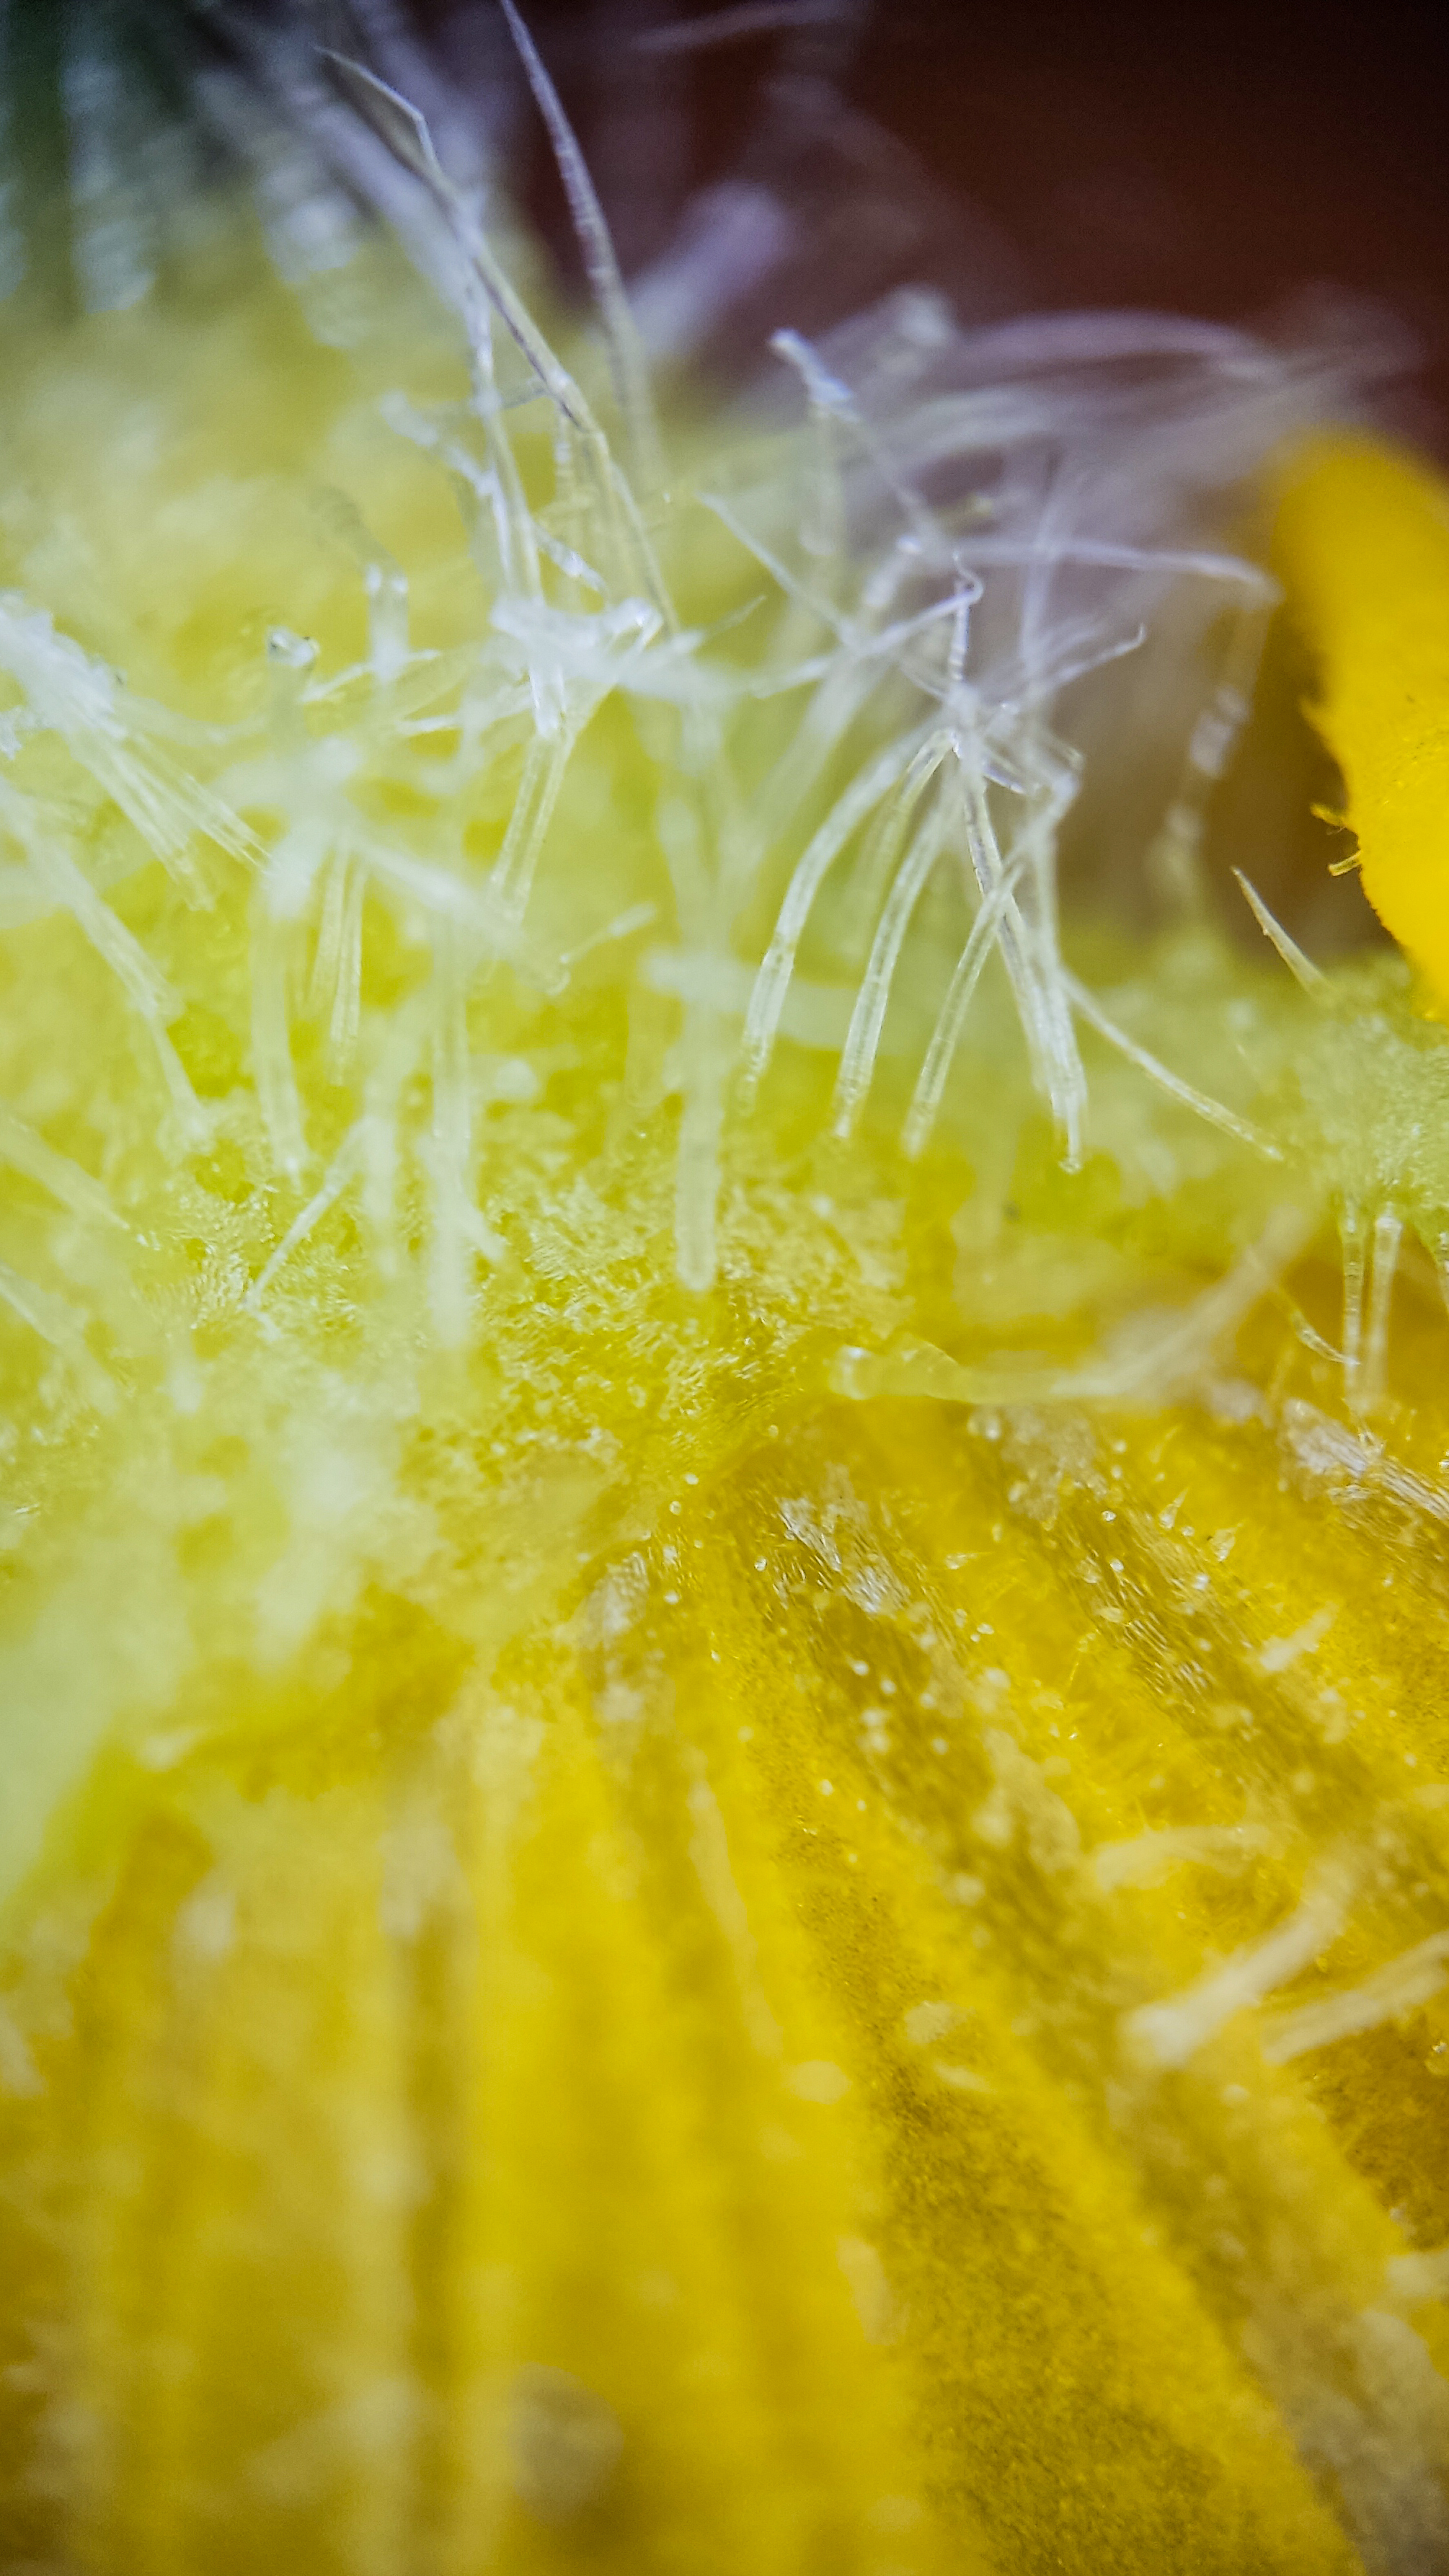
[{"x": 1362, "y": 541}]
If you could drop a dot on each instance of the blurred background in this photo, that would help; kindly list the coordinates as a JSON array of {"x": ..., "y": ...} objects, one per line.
[
  {"x": 1286, "y": 167},
  {"x": 1225, "y": 160},
  {"x": 1280, "y": 167},
  {"x": 1221, "y": 160}
]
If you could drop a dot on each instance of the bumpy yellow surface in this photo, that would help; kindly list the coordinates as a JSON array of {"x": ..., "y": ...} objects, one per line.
[{"x": 785, "y": 1927}]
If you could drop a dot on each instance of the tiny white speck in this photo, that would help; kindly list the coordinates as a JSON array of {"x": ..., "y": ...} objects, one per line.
[
  {"x": 929, "y": 2021},
  {"x": 962, "y": 2079},
  {"x": 827, "y": 1788},
  {"x": 671, "y": 1598},
  {"x": 818, "y": 2081}
]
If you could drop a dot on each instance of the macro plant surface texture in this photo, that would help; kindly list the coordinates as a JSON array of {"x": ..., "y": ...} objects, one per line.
[{"x": 723, "y": 1599}]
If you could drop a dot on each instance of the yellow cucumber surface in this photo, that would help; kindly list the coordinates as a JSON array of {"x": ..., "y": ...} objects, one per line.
[{"x": 681, "y": 1933}]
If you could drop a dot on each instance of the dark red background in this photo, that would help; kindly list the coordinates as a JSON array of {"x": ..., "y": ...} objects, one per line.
[{"x": 1217, "y": 160}]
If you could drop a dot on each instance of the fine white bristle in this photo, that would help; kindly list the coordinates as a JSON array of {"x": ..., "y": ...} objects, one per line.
[
  {"x": 1412, "y": 1979},
  {"x": 626, "y": 355},
  {"x": 1301, "y": 968},
  {"x": 1174, "y": 2031}
]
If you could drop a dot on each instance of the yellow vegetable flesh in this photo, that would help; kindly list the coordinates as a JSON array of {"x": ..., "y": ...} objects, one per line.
[
  {"x": 1362, "y": 541},
  {"x": 791, "y": 1925}
]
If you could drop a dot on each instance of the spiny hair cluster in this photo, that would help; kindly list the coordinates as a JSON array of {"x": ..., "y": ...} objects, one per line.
[{"x": 776, "y": 719}]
